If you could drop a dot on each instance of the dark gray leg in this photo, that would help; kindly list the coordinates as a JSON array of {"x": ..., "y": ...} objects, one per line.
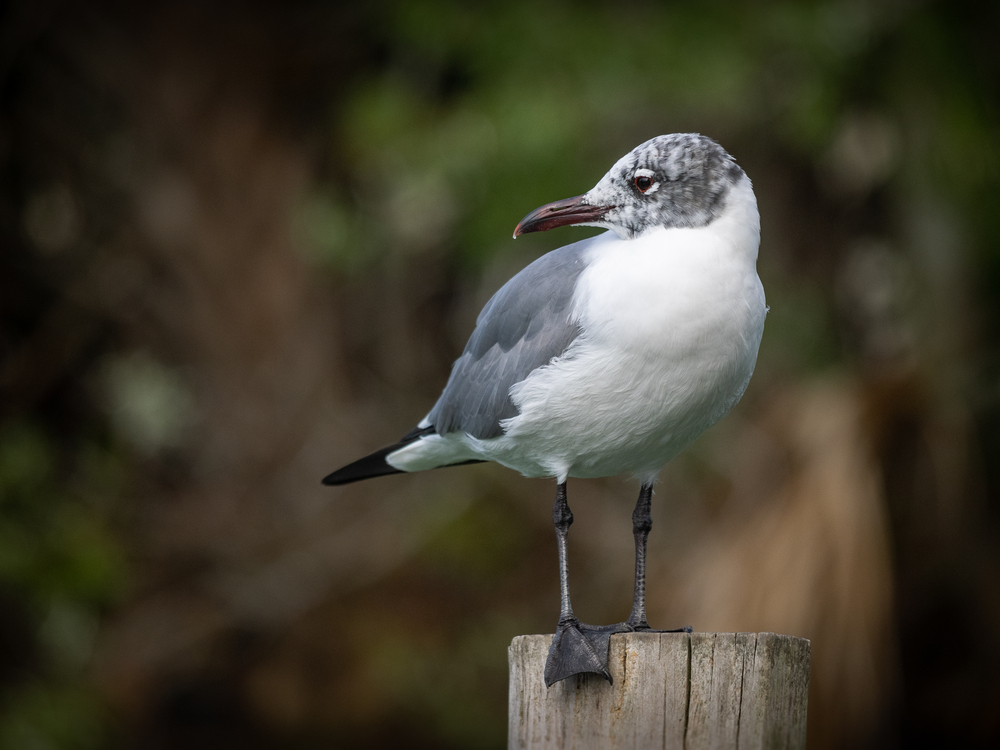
[
  {"x": 562, "y": 519},
  {"x": 642, "y": 522},
  {"x": 578, "y": 647}
]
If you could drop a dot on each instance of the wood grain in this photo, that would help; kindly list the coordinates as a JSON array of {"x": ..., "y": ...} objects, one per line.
[{"x": 676, "y": 691}]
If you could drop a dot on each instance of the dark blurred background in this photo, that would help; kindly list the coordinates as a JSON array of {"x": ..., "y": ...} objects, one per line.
[{"x": 241, "y": 244}]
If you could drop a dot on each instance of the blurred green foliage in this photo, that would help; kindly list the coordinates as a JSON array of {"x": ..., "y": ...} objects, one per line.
[{"x": 60, "y": 568}]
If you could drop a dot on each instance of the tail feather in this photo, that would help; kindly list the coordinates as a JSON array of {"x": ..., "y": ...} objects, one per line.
[{"x": 375, "y": 465}]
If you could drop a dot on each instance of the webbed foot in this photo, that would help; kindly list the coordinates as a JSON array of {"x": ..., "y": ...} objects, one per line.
[{"x": 578, "y": 648}]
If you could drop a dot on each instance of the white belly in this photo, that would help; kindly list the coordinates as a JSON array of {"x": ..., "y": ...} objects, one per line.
[{"x": 672, "y": 323}]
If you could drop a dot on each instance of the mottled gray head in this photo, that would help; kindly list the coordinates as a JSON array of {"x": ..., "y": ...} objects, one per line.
[{"x": 678, "y": 180}]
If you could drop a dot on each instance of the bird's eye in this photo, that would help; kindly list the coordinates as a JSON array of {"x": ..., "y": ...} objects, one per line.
[{"x": 643, "y": 183}]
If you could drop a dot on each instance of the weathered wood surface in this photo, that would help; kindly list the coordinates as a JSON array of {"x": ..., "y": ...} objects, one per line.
[{"x": 675, "y": 691}]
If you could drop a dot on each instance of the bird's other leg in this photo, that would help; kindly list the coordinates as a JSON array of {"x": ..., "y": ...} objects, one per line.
[
  {"x": 642, "y": 522},
  {"x": 576, "y": 647}
]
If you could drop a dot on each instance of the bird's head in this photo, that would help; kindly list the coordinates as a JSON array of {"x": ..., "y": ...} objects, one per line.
[{"x": 678, "y": 180}]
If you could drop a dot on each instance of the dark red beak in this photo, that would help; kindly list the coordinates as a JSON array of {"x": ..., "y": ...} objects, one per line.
[{"x": 560, "y": 214}]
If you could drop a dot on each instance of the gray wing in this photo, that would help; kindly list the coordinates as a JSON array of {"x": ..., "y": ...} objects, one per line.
[{"x": 524, "y": 326}]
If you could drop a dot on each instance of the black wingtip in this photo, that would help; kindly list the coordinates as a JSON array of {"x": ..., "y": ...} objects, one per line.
[
  {"x": 374, "y": 465},
  {"x": 368, "y": 467}
]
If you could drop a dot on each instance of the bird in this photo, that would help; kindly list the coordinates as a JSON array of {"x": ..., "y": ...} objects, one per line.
[{"x": 609, "y": 355}]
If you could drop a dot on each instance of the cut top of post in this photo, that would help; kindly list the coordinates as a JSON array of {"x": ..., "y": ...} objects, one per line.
[{"x": 676, "y": 691}]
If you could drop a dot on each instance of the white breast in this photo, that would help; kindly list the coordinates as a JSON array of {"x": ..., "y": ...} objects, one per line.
[{"x": 671, "y": 326}]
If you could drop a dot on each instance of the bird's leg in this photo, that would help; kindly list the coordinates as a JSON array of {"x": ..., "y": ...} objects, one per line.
[
  {"x": 642, "y": 522},
  {"x": 576, "y": 647},
  {"x": 562, "y": 519}
]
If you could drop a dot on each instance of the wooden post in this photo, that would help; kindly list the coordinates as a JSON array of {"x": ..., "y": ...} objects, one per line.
[{"x": 671, "y": 691}]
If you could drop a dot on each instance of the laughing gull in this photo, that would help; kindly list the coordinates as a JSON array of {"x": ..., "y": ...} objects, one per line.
[{"x": 610, "y": 355}]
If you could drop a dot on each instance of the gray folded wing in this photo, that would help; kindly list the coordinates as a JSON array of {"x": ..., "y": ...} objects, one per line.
[{"x": 523, "y": 327}]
